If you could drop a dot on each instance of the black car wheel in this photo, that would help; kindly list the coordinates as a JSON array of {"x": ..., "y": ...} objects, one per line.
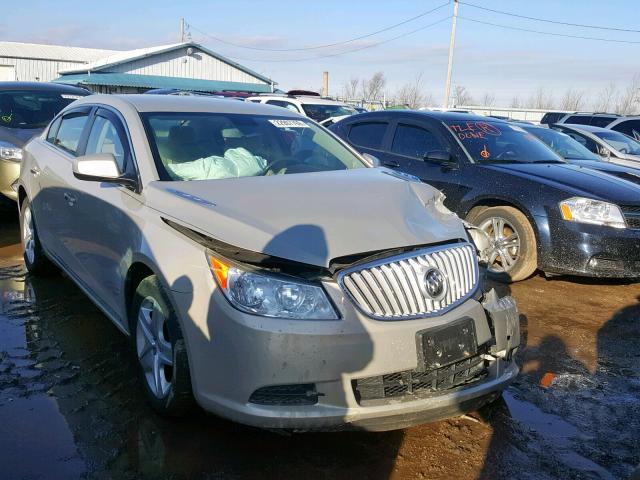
[
  {"x": 160, "y": 349},
  {"x": 512, "y": 252}
]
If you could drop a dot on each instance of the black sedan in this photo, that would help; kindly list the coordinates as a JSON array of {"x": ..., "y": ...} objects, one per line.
[{"x": 539, "y": 211}]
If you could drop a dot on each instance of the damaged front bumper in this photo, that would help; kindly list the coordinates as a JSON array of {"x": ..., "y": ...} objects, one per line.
[{"x": 299, "y": 375}]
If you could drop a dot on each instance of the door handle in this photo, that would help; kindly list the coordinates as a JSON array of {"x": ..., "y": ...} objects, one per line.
[
  {"x": 70, "y": 199},
  {"x": 35, "y": 171},
  {"x": 391, "y": 163}
]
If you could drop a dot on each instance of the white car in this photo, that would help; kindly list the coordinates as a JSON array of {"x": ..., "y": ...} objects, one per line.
[
  {"x": 322, "y": 110},
  {"x": 261, "y": 268}
]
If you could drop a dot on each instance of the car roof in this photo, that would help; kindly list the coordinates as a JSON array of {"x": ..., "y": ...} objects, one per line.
[
  {"x": 43, "y": 86},
  {"x": 418, "y": 114},
  {"x": 186, "y": 103},
  {"x": 310, "y": 100},
  {"x": 586, "y": 128}
]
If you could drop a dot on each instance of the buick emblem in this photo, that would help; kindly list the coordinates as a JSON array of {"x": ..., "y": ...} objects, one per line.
[{"x": 434, "y": 283}]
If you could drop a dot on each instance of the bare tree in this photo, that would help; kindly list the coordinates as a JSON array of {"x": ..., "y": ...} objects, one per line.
[
  {"x": 572, "y": 100},
  {"x": 462, "y": 96},
  {"x": 350, "y": 89},
  {"x": 627, "y": 101},
  {"x": 606, "y": 98},
  {"x": 515, "y": 102},
  {"x": 373, "y": 88},
  {"x": 489, "y": 99},
  {"x": 412, "y": 94},
  {"x": 541, "y": 99}
]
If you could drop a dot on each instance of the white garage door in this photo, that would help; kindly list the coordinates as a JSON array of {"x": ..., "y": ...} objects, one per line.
[{"x": 7, "y": 73}]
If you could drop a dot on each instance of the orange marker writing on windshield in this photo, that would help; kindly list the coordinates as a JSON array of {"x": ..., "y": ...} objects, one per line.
[{"x": 485, "y": 153}]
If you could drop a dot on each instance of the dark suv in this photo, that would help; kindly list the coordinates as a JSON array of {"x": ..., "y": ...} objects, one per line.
[{"x": 539, "y": 211}]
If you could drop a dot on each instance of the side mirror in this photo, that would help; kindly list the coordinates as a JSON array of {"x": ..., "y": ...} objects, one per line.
[
  {"x": 604, "y": 152},
  {"x": 372, "y": 160},
  {"x": 440, "y": 156},
  {"x": 100, "y": 167}
]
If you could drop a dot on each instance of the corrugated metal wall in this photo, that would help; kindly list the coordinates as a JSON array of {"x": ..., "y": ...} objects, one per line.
[
  {"x": 32, "y": 70},
  {"x": 178, "y": 64}
]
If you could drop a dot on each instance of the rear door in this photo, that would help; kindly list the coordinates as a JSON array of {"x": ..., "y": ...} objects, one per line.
[{"x": 54, "y": 204}]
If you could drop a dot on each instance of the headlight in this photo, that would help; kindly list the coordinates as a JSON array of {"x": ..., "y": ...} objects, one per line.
[
  {"x": 595, "y": 212},
  {"x": 269, "y": 295},
  {"x": 9, "y": 151}
]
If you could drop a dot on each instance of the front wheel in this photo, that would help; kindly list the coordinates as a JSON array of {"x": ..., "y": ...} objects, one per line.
[
  {"x": 34, "y": 257},
  {"x": 158, "y": 345},
  {"x": 512, "y": 251}
]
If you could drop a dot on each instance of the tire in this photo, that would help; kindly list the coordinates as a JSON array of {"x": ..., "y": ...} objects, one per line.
[
  {"x": 514, "y": 255},
  {"x": 160, "y": 350},
  {"x": 35, "y": 259}
]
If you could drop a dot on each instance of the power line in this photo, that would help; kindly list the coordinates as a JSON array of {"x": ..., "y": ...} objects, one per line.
[
  {"x": 598, "y": 27},
  {"x": 345, "y": 52},
  {"x": 318, "y": 47},
  {"x": 548, "y": 33}
]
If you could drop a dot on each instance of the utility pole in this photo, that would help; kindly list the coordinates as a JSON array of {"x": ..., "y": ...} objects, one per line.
[
  {"x": 182, "y": 30},
  {"x": 325, "y": 84},
  {"x": 452, "y": 44}
]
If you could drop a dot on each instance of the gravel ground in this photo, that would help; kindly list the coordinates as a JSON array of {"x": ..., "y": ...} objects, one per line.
[{"x": 70, "y": 406}]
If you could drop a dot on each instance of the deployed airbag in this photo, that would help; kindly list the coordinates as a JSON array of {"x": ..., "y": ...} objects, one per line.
[{"x": 237, "y": 162}]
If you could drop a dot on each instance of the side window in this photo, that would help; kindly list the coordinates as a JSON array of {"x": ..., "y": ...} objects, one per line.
[
  {"x": 104, "y": 138},
  {"x": 629, "y": 127},
  {"x": 587, "y": 142},
  {"x": 70, "y": 131},
  {"x": 280, "y": 103},
  {"x": 368, "y": 135},
  {"x": 601, "y": 121},
  {"x": 53, "y": 129},
  {"x": 414, "y": 142},
  {"x": 578, "y": 119}
]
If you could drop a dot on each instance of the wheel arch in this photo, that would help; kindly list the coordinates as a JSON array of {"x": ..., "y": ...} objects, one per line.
[{"x": 485, "y": 203}]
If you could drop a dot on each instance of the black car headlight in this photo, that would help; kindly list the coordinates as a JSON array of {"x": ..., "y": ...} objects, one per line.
[{"x": 594, "y": 212}]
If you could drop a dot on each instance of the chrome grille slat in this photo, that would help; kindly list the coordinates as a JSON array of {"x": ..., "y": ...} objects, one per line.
[{"x": 392, "y": 288}]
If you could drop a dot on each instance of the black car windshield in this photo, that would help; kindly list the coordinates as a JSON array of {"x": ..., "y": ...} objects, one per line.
[
  {"x": 620, "y": 142},
  {"x": 489, "y": 141},
  {"x": 211, "y": 146},
  {"x": 562, "y": 144},
  {"x": 320, "y": 112},
  {"x": 29, "y": 109}
]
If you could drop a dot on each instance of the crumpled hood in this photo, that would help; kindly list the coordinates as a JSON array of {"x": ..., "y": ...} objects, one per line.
[
  {"x": 575, "y": 180},
  {"x": 18, "y": 136},
  {"x": 310, "y": 218}
]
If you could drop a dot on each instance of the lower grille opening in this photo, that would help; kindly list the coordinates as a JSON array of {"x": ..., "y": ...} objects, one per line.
[
  {"x": 300, "y": 394},
  {"x": 411, "y": 382}
]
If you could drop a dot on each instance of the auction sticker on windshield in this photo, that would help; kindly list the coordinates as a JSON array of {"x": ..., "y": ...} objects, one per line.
[{"x": 289, "y": 123}]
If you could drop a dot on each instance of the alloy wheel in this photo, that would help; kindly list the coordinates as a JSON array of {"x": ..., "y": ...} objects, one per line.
[
  {"x": 504, "y": 244},
  {"x": 27, "y": 235},
  {"x": 155, "y": 351}
]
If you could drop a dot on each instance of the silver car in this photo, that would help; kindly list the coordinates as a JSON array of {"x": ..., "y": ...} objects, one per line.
[{"x": 262, "y": 268}]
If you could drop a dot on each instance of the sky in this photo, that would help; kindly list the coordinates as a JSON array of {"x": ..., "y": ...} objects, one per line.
[{"x": 488, "y": 59}]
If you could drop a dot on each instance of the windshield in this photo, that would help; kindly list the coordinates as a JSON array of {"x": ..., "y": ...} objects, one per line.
[
  {"x": 563, "y": 145},
  {"x": 620, "y": 142},
  {"x": 31, "y": 109},
  {"x": 489, "y": 142},
  {"x": 320, "y": 112},
  {"x": 208, "y": 146}
]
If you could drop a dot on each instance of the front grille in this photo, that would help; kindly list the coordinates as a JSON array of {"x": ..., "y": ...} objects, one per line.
[
  {"x": 410, "y": 382},
  {"x": 302, "y": 394},
  {"x": 395, "y": 288},
  {"x": 631, "y": 215}
]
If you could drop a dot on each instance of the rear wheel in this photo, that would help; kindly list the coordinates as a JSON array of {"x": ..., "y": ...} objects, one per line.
[
  {"x": 160, "y": 350},
  {"x": 512, "y": 251},
  {"x": 34, "y": 257}
]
